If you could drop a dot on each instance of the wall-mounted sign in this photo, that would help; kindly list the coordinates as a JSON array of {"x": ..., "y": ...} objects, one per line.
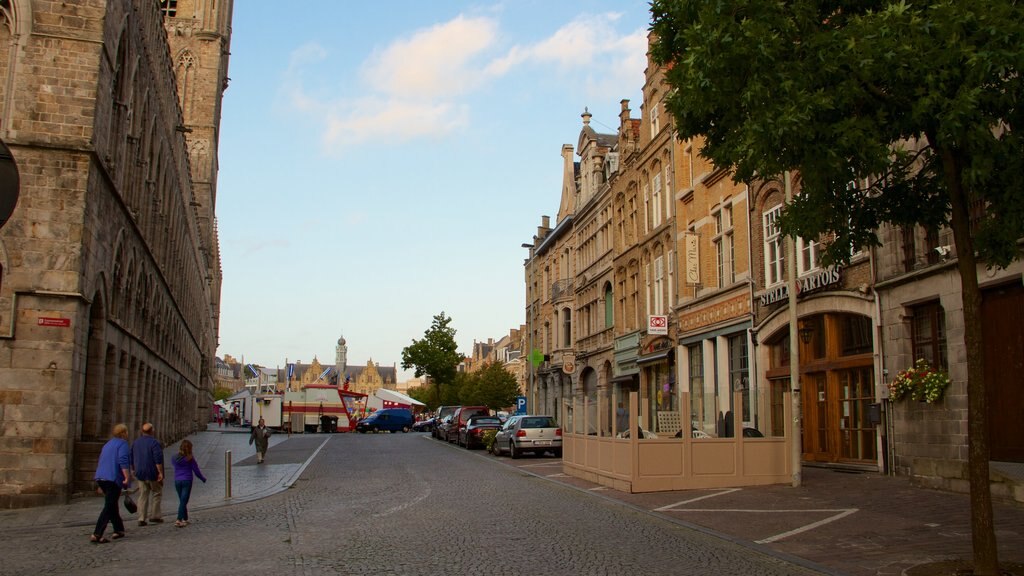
[
  {"x": 691, "y": 246},
  {"x": 55, "y": 322},
  {"x": 568, "y": 362},
  {"x": 816, "y": 281},
  {"x": 657, "y": 325}
]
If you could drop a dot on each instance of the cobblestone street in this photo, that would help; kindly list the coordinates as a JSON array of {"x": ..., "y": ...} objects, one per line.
[{"x": 400, "y": 504}]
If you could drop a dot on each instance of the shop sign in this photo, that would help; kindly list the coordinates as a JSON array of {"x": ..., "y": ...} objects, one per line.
[
  {"x": 822, "y": 279},
  {"x": 691, "y": 247},
  {"x": 657, "y": 325}
]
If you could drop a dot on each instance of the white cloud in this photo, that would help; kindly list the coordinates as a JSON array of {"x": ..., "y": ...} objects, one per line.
[
  {"x": 415, "y": 87},
  {"x": 395, "y": 120},
  {"x": 433, "y": 63}
]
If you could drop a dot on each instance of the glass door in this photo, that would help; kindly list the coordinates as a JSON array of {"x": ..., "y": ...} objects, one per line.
[{"x": 856, "y": 433}]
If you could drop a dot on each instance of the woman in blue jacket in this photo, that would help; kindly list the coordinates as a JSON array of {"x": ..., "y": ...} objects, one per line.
[{"x": 112, "y": 476}]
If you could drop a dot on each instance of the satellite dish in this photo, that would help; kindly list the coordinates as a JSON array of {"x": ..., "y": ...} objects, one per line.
[{"x": 9, "y": 184}]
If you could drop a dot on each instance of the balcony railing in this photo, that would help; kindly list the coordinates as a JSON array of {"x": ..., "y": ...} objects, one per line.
[{"x": 562, "y": 290}]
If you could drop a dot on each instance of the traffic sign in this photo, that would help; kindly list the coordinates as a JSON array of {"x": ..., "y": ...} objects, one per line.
[{"x": 520, "y": 404}]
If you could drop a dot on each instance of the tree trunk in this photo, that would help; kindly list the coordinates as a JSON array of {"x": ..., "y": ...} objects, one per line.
[{"x": 983, "y": 536}]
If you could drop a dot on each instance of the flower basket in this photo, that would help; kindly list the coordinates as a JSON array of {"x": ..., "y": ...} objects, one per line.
[{"x": 922, "y": 383}]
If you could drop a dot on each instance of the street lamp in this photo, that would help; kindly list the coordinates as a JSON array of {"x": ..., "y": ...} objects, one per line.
[{"x": 806, "y": 332}]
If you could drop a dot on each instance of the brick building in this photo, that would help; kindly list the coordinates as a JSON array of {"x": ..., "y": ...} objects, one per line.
[{"x": 110, "y": 278}]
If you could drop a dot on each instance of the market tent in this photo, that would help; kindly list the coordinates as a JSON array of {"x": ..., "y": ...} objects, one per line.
[{"x": 383, "y": 398}]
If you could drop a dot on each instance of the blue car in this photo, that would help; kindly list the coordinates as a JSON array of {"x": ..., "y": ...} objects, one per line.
[{"x": 386, "y": 420}]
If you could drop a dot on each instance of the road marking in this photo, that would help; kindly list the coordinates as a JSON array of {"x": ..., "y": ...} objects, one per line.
[
  {"x": 404, "y": 505},
  {"x": 671, "y": 506},
  {"x": 557, "y": 476},
  {"x": 596, "y": 488},
  {"x": 842, "y": 513},
  {"x": 541, "y": 464}
]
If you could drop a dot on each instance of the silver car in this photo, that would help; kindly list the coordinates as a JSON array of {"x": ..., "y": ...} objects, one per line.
[{"x": 535, "y": 434}]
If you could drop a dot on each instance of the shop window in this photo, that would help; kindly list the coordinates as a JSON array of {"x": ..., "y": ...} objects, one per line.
[
  {"x": 812, "y": 334},
  {"x": 661, "y": 398},
  {"x": 702, "y": 401},
  {"x": 780, "y": 351},
  {"x": 928, "y": 335},
  {"x": 855, "y": 334},
  {"x": 739, "y": 380}
]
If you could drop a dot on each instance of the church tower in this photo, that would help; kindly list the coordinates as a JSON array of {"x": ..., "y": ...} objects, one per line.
[
  {"x": 199, "y": 36},
  {"x": 341, "y": 360}
]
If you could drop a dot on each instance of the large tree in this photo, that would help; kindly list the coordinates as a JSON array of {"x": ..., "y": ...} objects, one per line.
[
  {"x": 920, "y": 100},
  {"x": 492, "y": 386},
  {"x": 435, "y": 355}
]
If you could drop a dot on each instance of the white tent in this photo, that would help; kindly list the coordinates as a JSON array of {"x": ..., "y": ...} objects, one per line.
[{"x": 383, "y": 398}]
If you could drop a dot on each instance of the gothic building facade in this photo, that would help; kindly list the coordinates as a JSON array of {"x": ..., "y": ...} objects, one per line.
[{"x": 109, "y": 267}]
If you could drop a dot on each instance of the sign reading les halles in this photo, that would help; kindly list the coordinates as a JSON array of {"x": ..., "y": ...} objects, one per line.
[{"x": 822, "y": 279}]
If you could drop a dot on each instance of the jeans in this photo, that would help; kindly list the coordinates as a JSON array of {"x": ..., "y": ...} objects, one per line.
[
  {"x": 150, "y": 493},
  {"x": 184, "y": 490},
  {"x": 110, "y": 513}
]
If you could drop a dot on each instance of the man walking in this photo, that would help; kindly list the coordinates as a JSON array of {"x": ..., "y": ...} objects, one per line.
[
  {"x": 260, "y": 435},
  {"x": 148, "y": 462}
]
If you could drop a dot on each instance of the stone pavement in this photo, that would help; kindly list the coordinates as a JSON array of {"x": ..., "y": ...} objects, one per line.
[
  {"x": 286, "y": 458},
  {"x": 857, "y": 523}
]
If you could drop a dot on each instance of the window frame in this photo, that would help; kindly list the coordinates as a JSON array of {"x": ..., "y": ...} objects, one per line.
[{"x": 774, "y": 268}]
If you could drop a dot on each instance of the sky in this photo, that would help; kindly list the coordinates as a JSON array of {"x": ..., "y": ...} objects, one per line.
[{"x": 382, "y": 162}]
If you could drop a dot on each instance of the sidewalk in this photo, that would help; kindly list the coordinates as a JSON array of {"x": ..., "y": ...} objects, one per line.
[{"x": 286, "y": 458}]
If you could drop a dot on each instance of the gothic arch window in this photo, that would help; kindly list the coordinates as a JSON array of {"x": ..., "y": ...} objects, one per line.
[{"x": 185, "y": 69}]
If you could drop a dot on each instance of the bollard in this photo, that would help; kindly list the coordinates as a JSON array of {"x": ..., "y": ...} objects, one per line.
[{"x": 227, "y": 474}]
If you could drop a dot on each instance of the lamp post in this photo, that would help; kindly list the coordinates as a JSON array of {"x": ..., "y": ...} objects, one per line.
[{"x": 796, "y": 455}]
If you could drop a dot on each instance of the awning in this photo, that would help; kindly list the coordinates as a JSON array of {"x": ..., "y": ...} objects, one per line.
[
  {"x": 623, "y": 379},
  {"x": 655, "y": 357}
]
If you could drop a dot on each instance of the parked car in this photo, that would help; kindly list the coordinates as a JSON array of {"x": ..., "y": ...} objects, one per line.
[
  {"x": 535, "y": 434},
  {"x": 388, "y": 419},
  {"x": 459, "y": 419},
  {"x": 473, "y": 434},
  {"x": 441, "y": 428},
  {"x": 424, "y": 425},
  {"x": 442, "y": 413}
]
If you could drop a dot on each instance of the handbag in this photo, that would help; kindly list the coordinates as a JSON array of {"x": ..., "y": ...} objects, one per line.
[{"x": 130, "y": 504}]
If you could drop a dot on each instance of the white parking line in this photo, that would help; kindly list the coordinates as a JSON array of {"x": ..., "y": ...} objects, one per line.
[
  {"x": 671, "y": 506},
  {"x": 841, "y": 513}
]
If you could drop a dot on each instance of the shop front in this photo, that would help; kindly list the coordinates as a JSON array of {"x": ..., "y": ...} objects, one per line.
[{"x": 837, "y": 380}]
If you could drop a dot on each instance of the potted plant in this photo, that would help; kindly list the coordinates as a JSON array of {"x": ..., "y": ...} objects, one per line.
[{"x": 921, "y": 382}]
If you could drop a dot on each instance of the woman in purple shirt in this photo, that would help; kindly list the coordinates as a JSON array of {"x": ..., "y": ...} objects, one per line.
[
  {"x": 184, "y": 467},
  {"x": 112, "y": 476}
]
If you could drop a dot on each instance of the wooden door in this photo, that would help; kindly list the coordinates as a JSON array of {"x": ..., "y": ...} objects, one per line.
[
  {"x": 1002, "y": 316},
  {"x": 817, "y": 433}
]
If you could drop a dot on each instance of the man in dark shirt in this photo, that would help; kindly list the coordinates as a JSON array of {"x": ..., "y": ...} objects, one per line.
[{"x": 148, "y": 465}]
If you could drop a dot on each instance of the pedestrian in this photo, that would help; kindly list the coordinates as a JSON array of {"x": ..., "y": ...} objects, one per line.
[
  {"x": 148, "y": 464},
  {"x": 185, "y": 466},
  {"x": 261, "y": 436},
  {"x": 111, "y": 477},
  {"x": 220, "y": 418}
]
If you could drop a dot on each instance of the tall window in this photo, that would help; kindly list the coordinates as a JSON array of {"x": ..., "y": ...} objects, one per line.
[
  {"x": 701, "y": 408},
  {"x": 929, "y": 334},
  {"x": 609, "y": 314},
  {"x": 725, "y": 250},
  {"x": 659, "y": 285},
  {"x": 808, "y": 260},
  {"x": 647, "y": 209},
  {"x": 648, "y": 301},
  {"x": 909, "y": 248},
  {"x": 655, "y": 120},
  {"x": 774, "y": 255},
  {"x": 738, "y": 379},
  {"x": 656, "y": 200},
  {"x": 566, "y": 328}
]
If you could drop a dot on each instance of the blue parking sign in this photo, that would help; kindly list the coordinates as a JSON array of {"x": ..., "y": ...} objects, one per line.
[{"x": 520, "y": 404}]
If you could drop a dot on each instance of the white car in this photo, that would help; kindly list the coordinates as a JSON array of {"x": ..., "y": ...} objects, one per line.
[{"x": 537, "y": 434}]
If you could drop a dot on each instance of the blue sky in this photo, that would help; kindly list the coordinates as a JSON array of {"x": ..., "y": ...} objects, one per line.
[{"x": 381, "y": 162}]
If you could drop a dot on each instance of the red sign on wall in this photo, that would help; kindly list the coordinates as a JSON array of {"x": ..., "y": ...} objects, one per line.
[{"x": 55, "y": 322}]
